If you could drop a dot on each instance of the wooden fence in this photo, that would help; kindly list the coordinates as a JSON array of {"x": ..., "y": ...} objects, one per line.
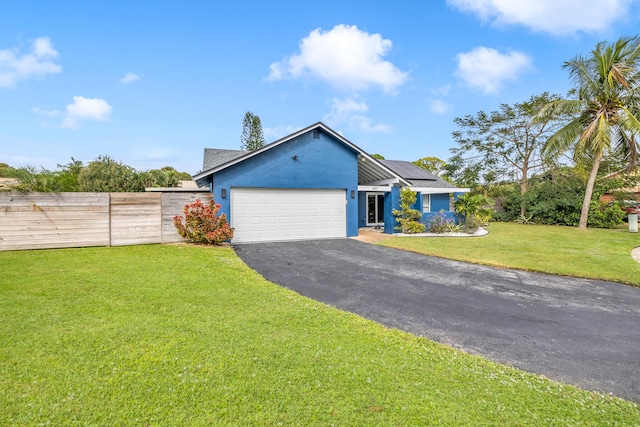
[{"x": 63, "y": 220}]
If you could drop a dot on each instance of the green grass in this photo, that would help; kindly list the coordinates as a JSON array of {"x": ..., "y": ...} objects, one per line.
[
  {"x": 186, "y": 335},
  {"x": 594, "y": 253}
]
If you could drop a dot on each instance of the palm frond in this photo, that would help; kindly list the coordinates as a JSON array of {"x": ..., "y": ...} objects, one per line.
[
  {"x": 601, "y": 140},
  {"x": 627, "y": 147},
  {"x": 559, "y": 108},
  {"x": 563, "y": 140}
]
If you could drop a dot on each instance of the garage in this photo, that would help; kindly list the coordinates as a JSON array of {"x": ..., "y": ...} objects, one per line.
[
  {"x": 279, "y": 214},
  {"x": 302, "y": 186}
]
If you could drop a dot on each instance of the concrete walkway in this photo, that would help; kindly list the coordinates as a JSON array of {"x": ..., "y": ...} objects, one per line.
[{"x": 581, "y": 332}]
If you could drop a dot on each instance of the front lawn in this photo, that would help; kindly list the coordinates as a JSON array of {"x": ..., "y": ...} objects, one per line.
[
  {"x": 186, "y": 335},
  {"x": 594, "y": 253}
]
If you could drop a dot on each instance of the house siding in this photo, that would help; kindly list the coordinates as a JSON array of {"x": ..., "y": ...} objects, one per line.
[
  {"x": 320, "y": 163},
  {"x": 439, "y": 202},
  {"x": 362, "y": 209},
  {"x": 391, "y": 201},
  {"x": 439, "y": 205}
]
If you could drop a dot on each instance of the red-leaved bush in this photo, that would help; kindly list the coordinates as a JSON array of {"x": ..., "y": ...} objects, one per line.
[{"x": 202, "y": 224}]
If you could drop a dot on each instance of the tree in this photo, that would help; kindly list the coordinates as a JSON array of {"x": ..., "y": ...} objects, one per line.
[
  {"x": 167, "y": 177},
  {"x": 30, "y": 179},
  {"x": 502, "y": 145},
  {"x": 432, "y": 164},
  {"x": 407, "y": 217},
  {"x": 107, "y": 175},
  {"x": 252, "y": 137},
  {"x": 377, "y": 156},
  {"x": 605, "y": 113},
  {"x": 5, "y": 170}
]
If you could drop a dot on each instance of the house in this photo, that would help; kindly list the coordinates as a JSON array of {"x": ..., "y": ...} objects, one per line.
[
  {"x": 313, "y": 184},
  {"x": 632, "y": 192}
]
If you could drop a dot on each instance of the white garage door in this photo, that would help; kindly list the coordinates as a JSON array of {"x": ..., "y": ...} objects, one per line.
[{"x": 264, "y": 214}]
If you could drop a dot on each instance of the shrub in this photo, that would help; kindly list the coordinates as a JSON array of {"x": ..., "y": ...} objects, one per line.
[
  {"x": 557, "y": 200},
  {"x": 476, "y": 210},
  {"x": 441, "y": 224},
  {"x": 605, "y": 216},
  {"x": 408, "y": 218},
  {"x": 202, "y": 224}
]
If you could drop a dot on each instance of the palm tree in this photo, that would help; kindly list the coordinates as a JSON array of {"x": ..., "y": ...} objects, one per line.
[{"x": 605, "y": 112}]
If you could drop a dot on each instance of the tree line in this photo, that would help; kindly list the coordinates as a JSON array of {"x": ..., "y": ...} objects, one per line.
[{"x": 104, "y": 174}]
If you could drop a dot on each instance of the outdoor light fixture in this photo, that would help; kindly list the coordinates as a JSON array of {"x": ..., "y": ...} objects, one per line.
[
  {"x": 294, "y": 157},
  {"x": 223, "y": 193},
  {"x": 353, "y": 194}
]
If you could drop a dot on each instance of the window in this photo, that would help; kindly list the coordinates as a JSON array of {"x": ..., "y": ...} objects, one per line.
[
  {"x": 426, "y": 203},
  {"x": 375, "y": 208}
]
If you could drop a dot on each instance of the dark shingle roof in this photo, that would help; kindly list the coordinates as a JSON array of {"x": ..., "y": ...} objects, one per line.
[
  {"x": 408, "y": 170},
  {"x": 215, "y": 157},
  {"x": 416, "y": 175}
]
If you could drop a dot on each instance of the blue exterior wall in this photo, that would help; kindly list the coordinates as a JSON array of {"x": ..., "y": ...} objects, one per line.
[
  {"x": 323, "y": 163},
  {"x": 439, "y": 202},
  {"x": 362, "y": 209},
  {"x": 391, "y": 201}
]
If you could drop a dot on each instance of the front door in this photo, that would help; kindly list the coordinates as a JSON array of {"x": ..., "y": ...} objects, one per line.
[{"x": 375, "y": 208}]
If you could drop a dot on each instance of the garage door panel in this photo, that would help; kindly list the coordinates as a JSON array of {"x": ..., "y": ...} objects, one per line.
[
  {"x": 284, "y": 220},
  {"x": 260, "y": 214},
  {"x": 270, "y": 221}
]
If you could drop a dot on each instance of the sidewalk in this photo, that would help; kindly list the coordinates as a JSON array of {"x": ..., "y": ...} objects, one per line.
[{"x": 371, "y": 235}]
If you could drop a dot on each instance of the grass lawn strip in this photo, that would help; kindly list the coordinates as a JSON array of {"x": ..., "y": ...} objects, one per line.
[
  {"x": 593, "y": 254},
  {"x": 186, "y": 335}
]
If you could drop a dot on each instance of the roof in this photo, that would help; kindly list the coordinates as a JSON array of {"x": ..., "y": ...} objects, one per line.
[
  {"x": 369, "y": 169},
  {"x": 371, "y": 172},
  {"x": 215, "y": 157},
  {"x": 624, "y": 173},
  {"x": 185, "y": 186},
  {"x": 417, "y": 176}
]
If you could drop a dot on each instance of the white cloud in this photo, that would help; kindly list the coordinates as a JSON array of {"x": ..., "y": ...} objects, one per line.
[
  {"x": 442, "y": 90},
  {"x": 365, "y": 124},
  {"x": 15, "y": 66},
  {"x": 440, "y": 107},
  {"x": 345, "y": 57},
  {"x": 487, "y": 69},
  {"x": 342, "y": 109},
  {"x": 558, "y": 17},
  {"x": 347, "y": 111},
  {"x": 84, "y": 109},
  {"x": 48, "y": 113},
  {"x": 130, "y": 78}
]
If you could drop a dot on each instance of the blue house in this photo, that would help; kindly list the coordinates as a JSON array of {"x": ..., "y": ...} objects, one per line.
[{"x": 314, "y": 184}]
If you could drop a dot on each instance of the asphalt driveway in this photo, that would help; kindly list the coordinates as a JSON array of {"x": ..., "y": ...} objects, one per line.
[{"x": 581, "y": 332}]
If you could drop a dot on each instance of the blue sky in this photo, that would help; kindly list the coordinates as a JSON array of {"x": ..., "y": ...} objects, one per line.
[{"x": 152, "y": 83}]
